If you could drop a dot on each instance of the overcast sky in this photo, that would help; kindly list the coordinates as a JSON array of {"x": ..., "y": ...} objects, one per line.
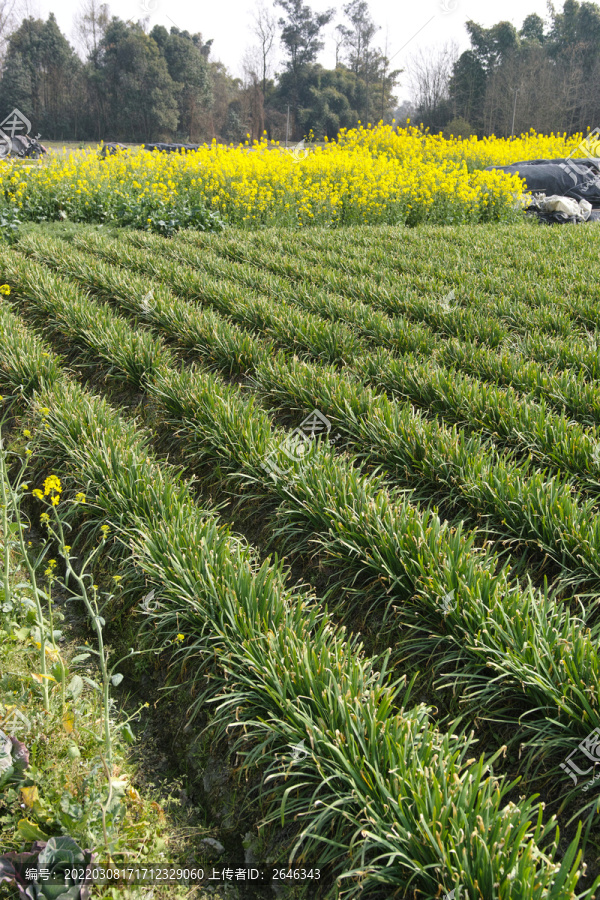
[{"x": 407, "y": 27}]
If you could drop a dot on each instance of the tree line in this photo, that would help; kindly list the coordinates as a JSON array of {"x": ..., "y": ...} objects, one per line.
[
  {"x": 541, "y": 76},
  {"x": 132, "y": 84}
]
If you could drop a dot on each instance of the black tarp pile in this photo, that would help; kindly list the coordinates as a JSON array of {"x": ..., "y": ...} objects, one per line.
[
  {"x": 172, "y": 148},
  {"x": 25, "y": 147},
  {"x": 553, "y": 180},
  {"x": 113, "y": 148}
]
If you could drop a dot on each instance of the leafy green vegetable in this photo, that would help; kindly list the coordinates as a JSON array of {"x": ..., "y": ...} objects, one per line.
[
  {"x": 40, "y": 873},
  {"x": 14, "y": 759}
]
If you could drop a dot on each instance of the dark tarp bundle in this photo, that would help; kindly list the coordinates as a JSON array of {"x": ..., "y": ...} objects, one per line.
[
  {"x": 575, "y": 178},
  {"x": 112, "y": 150},
  {"x": 172, "y": 148},
  {"x": 24, "y": 146},
  {"x": 578, "y": 179}
]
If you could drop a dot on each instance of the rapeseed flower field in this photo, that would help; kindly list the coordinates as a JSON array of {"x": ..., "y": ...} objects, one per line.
[{"x": 369, "y": 175}]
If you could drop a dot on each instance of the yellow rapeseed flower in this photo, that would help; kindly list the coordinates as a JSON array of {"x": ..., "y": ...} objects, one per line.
[{"x": 52, "y": 483}]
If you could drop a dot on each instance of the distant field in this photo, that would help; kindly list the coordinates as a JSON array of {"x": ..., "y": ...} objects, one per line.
[
  {"x": 412, "y": 418},
  {"x": 57, "y": 146}
]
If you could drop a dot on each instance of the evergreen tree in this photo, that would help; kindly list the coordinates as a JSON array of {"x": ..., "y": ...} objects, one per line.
[
  {"x": 135, "y": 97},
  {"x": 42, "y": 76},
  {"x": 188, "y": 67},
  {"x": 300, "y": 35}
]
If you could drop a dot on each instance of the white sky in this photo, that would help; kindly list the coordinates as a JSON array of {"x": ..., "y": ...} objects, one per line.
[{"x": 229, "y": 22}]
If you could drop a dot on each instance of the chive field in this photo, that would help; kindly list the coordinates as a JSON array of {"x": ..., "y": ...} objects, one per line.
[{"x": 411, "y": 591}]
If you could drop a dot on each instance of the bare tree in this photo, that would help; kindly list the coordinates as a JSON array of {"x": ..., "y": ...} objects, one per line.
[
  {"x": 429, "y": 73},
  {"x": 358, "y": 38},
  {"x": 339, "y": 39},
  {"x": 254, "y": 107},
  {"x": 539, "y": 93},
  {"x": 257, "y": 66},
  {"x": 362, "y": 58},
  {"x": 387, "y": 80},
  {"x": 7, "y": 22},
  {"x": 265, "y": 29},
  {"x": 90, "y": 24}
]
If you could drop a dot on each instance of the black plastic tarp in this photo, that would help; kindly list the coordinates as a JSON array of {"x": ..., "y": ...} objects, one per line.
[
  {"x": 172, "y": 148},
  {"x": 23, "y": 146},
  {"x": 575, "y": 178},
  {"x": 112, "y": 149}
]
